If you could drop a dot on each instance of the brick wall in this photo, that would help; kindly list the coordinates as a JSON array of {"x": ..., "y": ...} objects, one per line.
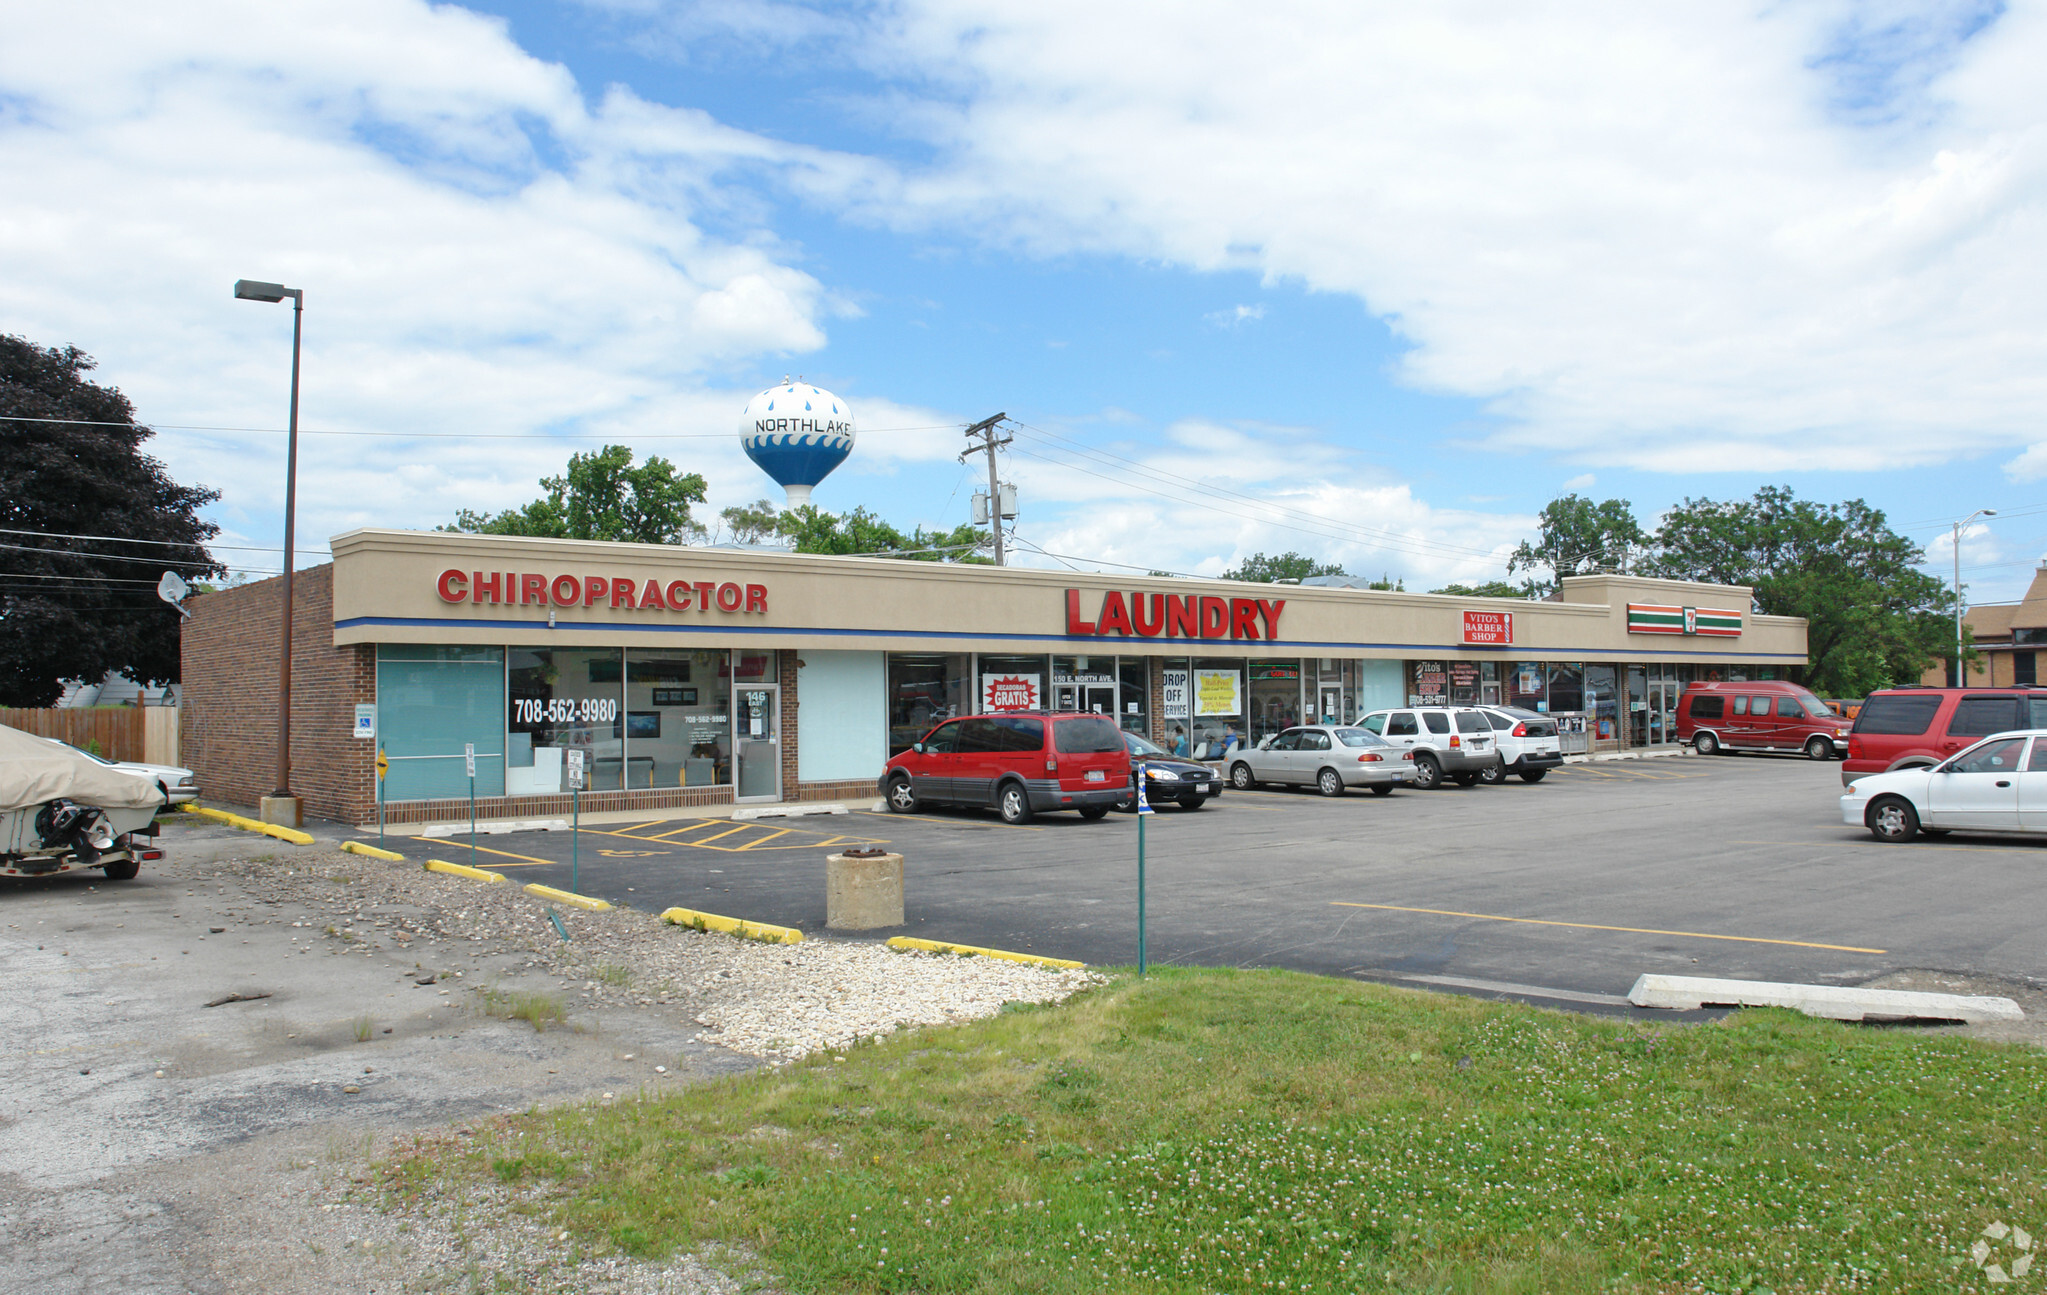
[{"x": 229, "y": 725}]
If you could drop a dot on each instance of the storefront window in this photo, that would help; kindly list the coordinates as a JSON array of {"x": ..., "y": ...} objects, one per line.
[
  {"x": 432, "y": 702},
  {"x": 1463, "y": 683},
  {"x": 1429, "y": 684},
  {"x": 1566, "y": 687},
  {"x": 1602, "y": 702},
  {"x": 1333, "y": 698},
  {"x": 678, "y": 726},
  {"x": 923, "y": 689},
  {"x": 565, "y": 699},
  {"x": 1011, "y": 683},
  {"x": 1133, "y": 708},
  {"x": 1084, "y": 683},
  {"x": 1275, "y": 697},
  {"x": 1527, "y": 686},
  {"x": 1218, "y": 705}
]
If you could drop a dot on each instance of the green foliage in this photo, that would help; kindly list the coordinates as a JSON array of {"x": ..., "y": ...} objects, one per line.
[
  {"x": 1874, "y": 619},
  {"x": 815, "y": 531},
  {"x": 1578, "y": 537},
  {"x": 751, "y": 523},
  {"x": 1220, "y": 1131},
  {"x": 602, "y": 496},
  {"x": 1262, "y": 569},
  {"x": 1487, "y": 589},
  {"x": 68, "y": 609}
]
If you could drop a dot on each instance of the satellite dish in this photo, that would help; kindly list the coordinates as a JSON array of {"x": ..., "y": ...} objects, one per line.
[{"x": 172, "y": 589}]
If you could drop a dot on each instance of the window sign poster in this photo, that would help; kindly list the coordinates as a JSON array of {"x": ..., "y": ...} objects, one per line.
[
  {"x": 1218, "y": 692},
  {"x": 1430, "y": 680},
  {"x": 1011, "y": 692},
  {"x": 1174, "y": 687}
]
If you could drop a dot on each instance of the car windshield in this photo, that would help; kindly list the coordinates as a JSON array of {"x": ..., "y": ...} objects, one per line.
[
  {"x": 1817, "y": 709},
  {"x": 1358, "y": 737},
  {"x": 87, "y": 754},
  {"x": 1143, "y": 746}
]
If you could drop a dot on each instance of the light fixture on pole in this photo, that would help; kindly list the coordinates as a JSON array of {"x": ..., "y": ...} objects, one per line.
[
  {"x": 286, "y": 808},
  {"x": 1960, "y": 674}
]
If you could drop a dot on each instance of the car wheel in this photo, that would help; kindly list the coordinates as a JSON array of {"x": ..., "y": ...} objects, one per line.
[
  {"x": 123, "y": 871},
  {"x": 1382, "y": 789},
  {"x": 1819, "y": 749},
  {"x": 1094, "y": 811},
  {"x": 1493, "y": 775},
  {"x": 902, "y": 798},
  {"x": 1240, "y": 777},
  {"x": 1194, "y": 802},
  {"x": 1534, "y": 775},
  {"x": 1892, "y": 820},
  {"x": 1428, "y": 775},
  {"x": 1705, "y": 744},
  {"x": 1329, "y": 782},
  {"x": 1013, "y": 802}
]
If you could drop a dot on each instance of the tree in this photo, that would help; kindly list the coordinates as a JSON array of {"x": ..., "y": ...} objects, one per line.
[
  {"x": 1261, "y": 569},
  {"x": 602, "y": 496},
  {"x": 1578, "y": 537},
  {"x": 859, "y": 531},
  {"x": 73, "y": 606},
  {"x": 1873, "y": 618},
  {"x": 750, "y": 523},
  {"x": 1488, "y": 589}
]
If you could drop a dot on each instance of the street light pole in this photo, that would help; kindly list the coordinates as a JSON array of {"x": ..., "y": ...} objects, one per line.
[
  {"x": 1961, "y": 675},
  {"x": 254, "y": 290}
]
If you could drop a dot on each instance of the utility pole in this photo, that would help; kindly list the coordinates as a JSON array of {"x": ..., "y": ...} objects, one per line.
[{"x": 990, "y": 442}]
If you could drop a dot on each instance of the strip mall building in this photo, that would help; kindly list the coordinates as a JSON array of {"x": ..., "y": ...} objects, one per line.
[{"x": 687, "y": 676}]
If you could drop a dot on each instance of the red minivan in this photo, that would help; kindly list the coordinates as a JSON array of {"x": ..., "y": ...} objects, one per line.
[
  {"x": 1913, "y": 728},
  {"x": 1767, "y": 715},
  {"x": 1020, "y": 762}
]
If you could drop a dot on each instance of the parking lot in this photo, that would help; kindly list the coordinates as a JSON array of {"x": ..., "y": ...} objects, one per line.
[{"x": 1567, "y": 889}]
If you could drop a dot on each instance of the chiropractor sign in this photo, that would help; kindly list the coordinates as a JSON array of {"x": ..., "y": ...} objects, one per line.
[
  {"x": 614, "y": 593},
  {"x": 1180, "y": 616}
]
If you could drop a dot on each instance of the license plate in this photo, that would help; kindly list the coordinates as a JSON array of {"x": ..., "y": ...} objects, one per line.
[
  {"x": 1201, "y": 789},
  {"x": 1097, "y": 775}
]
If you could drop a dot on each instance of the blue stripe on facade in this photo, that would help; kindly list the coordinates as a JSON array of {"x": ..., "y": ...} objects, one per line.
[{"x": 1250, "y": 647}]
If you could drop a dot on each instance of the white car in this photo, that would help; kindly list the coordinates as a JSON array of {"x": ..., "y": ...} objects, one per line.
[
  {"x": 1529, "y": 745},
  {"x": 178, "y": 785},
  {"x": 1997, "y": 785}
]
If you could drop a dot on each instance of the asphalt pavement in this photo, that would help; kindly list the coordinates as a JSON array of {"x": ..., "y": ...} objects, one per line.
[{"x": 1563, "y": 891}]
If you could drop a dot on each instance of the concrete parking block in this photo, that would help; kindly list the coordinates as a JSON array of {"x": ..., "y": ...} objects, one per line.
[{"x": 1834, "y": 1002}]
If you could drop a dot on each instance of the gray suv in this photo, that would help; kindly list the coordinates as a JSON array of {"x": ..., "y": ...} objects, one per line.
[{"x": 1450, "y": 743}]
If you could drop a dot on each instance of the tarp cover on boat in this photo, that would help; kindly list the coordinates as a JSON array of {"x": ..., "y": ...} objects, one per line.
[{"x": 34, "y": 771}]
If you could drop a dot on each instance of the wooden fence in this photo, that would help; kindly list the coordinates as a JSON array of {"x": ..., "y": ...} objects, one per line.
[{"x": 148, "y": 733}]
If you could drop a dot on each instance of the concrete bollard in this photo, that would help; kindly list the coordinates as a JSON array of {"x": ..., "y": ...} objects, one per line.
[{"x": 863, "y": 891}]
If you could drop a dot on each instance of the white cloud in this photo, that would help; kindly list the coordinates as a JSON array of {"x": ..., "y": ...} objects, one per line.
[
  {"x": 1584, "y": 481},
  {"x": 2030, "y": 466},
  {"x": 481, "y": 249},
  {"x": 1235, "y": 318},
  {"x": 1677, "y": 237}
]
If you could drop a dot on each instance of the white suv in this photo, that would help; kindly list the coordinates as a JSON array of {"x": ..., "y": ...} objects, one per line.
[
  {"x": 1449, "y": 742},
  {"x": 1528, "y": 743}
]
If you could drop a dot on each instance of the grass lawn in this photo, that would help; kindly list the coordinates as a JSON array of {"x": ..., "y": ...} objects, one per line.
[{"x": 1252, "y": 1131}]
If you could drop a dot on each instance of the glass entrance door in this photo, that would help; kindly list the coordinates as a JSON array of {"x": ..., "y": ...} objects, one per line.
[
  {"x": 1092, "y": 698},
  {"x": 759, "y": 738}
]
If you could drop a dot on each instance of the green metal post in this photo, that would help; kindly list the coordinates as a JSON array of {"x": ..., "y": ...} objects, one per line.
[
  {"x": 1143, "y": 813},
  {"x": 472, "y": 818},
  {"x": 576, "y": 840}
]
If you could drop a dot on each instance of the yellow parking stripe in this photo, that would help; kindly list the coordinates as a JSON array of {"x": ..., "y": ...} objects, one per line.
[
  {"x": 697, "y": 826},
  {"x": 1630, "y": 930},
  {"x": 754, "y": 845},
  {"x": 481, "y": 849}
]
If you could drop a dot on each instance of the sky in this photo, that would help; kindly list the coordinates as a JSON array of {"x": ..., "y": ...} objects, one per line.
[{"x": 1371, "y": 283}]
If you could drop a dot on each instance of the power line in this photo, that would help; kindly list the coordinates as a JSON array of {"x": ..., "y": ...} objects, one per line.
[
  {"x": 436, "y": 436},
  {"x": 123, "y": 539}
]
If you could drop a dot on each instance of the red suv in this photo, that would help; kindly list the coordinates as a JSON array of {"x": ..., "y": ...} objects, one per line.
[
  {"x": 1916, "y": 728},
  {"x": 1021, "y": 762},
  {"x": 1767, "y": 715}
]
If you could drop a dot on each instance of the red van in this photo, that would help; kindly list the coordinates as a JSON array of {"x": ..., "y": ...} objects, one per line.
[
  {"x": 1914, "y": 728},
  {"x": 1767, "y": 715},
  {"x": 1020, "y": 762}
]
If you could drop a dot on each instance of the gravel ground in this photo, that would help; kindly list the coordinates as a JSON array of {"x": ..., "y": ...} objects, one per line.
[{"x": 158, "y": 1144}]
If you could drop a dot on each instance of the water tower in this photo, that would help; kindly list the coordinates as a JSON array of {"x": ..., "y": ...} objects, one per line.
[{"x": 797, "y": 433}]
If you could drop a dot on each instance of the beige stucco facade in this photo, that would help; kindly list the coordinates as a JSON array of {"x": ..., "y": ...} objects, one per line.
[{"x": 396, "y": 587}]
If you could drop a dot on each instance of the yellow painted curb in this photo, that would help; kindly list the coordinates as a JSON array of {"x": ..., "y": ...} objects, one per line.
[
  {"x": 568, "y": 897},
  {"x": 939, "y": 946},
  {"x": 746, "y": 930},
  {"x": 375, "y": 852},
  {"x": 290, "y": 834},
  {"x": 462, "y": 870}
]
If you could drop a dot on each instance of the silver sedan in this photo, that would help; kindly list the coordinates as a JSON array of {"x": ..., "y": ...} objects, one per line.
[{"x": 1328, "y": 757}]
